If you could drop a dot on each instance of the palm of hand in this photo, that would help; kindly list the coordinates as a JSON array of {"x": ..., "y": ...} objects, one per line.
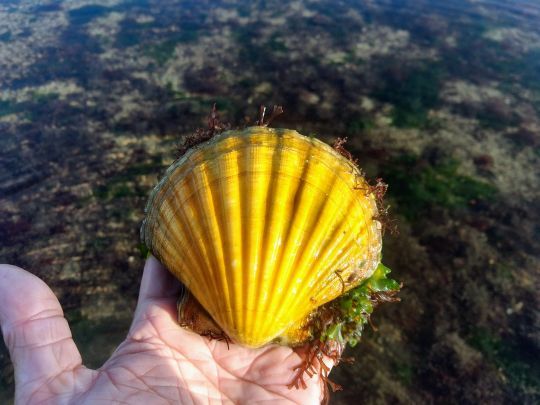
[{"x": 159, "y": 362}]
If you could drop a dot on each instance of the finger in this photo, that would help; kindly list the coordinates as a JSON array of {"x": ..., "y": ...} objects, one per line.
[
  {"x": 34, "y": 328},
  {"x": 158, "y": 286},
  {"x": 157, "y": 282}
]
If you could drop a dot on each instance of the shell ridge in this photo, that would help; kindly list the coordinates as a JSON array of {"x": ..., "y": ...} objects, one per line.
[
  {"x": 278, "y": 296},
  {"x": 242, "y": 241},
  {"x": 298, "y": 266},
  {"x": 277, "y": 157},
  {"x": 340, "y": 268},
  {"x": 166, "y": 247},
  {"x": 373, "y": 230},
  {"x": 280, "y": 183},
  {"x": 208, "y": 238},
  {"x": 186, "y": 255},
  {"x": 228, "y": 201},
  {"x": 218, "y": 254},
  {"x": 187, "y": 157},
  {"x": 190, "y": 166},
  {"x": 160, "y": 242},
  {"x": 321, "y": 268},
  {"x": 258, "y": 186},
  {"x": 368, "y": 264},
  {"x": 349, "y": 241},
  {"x": 201, "y": 242},
  {"x": 305, "y": 263},
  {"x": 335, "y": 239}
]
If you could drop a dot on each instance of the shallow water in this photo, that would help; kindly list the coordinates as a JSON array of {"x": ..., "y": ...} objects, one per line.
[{"x": 440, "y": 98}]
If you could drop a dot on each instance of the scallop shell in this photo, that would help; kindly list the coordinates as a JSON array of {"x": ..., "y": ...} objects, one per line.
[{"x": 263, "y": 226}]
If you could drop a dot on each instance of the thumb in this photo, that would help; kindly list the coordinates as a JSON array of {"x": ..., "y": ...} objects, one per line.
[
  {"x": 158, "y": 294},
  {"x": 34, "y": 328}
]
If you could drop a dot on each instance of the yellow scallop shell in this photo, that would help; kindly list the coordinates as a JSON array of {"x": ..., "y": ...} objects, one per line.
[{"x": 263, "y": 226}]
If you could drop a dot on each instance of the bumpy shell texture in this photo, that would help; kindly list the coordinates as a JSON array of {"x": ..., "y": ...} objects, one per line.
[{"x": 263, "y": 226}]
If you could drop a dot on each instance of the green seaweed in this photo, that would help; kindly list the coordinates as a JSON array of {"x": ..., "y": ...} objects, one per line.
[
  {"x": 491, "y": 119},
  {"x": 39, "y": 97},
  {"x": 122, "y": 190},
  {"x": 100, "y": 243},
  {"x": 518, "y": 364},
  {"x": 119, "y": 213},
  {"x": 412, "y": 95},
  {"x": 144, "y": 250},
  {"x": 132, "y": 33},
  {"x": 143, "y": 168},
  {"x": 162, "y": 52},
  {"x": 115, "y": 190},
  {"x": 276, "y": 44},
  {"x": 359, "y": 125},
  {"x": 353, "y": 309},
  {"x": 203, "y": 103},
  {"x": 524, "y": 68},
  {"x": 260, "y": 55},
  {"x": 417, "y": 186},
  {"x": 405, "y": 373},
  {"x": 8, "y": 107},
  {"x": 410, "y": 116},
  {"x": 121, "y": 185},
  {"x": 101, "y": 192}
]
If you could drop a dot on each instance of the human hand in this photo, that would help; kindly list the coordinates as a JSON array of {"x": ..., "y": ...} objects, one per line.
[{"x": 159, "y": 362}]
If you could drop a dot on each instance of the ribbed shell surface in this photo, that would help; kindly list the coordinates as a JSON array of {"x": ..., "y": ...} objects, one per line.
[{"x": 263, "y": 226}]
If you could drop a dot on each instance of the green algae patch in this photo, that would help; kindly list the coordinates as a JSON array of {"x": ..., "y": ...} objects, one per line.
[
  {"x": 42, "y": 98},
  {"x": 352, "y": 311},
  {"x": 405, "y": 373},
  {"x": 123, "y": 184},
  {"x": 359, "y": 125},
  {"x": 8, "y": 107},
  {"x": 162, "y": 52},
  {"x": 412, "y": 95},
  {"x": 143, "y": 250},
  {"x": 417, "y": 186},
  {"x": 515, "y": 359}
]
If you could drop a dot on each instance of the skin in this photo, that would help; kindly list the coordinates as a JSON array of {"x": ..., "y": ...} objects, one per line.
[{"x": 158, "y": 363}]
